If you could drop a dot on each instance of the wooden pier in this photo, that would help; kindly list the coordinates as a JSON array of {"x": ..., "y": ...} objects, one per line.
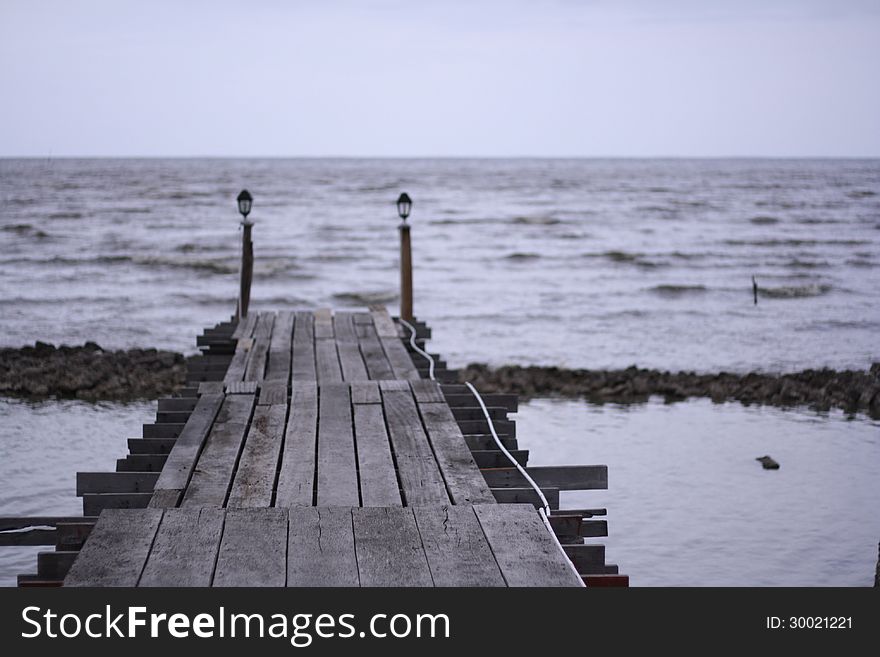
[{"x": 310, "y": 449}]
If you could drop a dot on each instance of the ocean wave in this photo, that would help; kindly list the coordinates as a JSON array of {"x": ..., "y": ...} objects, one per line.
[
  {"x": 764, "y": 220},
  {"x": 794, "y": 291},
  {"x": 537, "y": 220},
  {"x": 796, "y": 242},
  {"x": 670, "y": 290},
  {"x": 65, "y": 215},
  {"x": 626, "y": 258},
  {"x": 366, "y": 298},
  {"x": 861, "y": 193},
  {"x": 26, "y": 230},
  {"x": 797, "y": 263},
  {"x": 522, "y": 257}
]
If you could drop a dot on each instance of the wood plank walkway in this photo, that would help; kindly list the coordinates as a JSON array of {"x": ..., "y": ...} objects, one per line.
[{"x": 311, "y": 452}]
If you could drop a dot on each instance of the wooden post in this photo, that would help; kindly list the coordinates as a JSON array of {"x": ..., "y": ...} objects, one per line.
[
  {"x": 406, "y": 290},
  {"x": 247, "y": 271}
]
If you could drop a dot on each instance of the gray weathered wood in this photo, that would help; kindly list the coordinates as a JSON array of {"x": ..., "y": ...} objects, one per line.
[
  {"x": 321, "y": 548},
  {"x": 280, "y": 348},
  {"x": 238, "y": 364},
  {"x": 296, "y": 480},
  {"x": 117, "y": 549},
  {"x": 245, "y": 328},
  {"x": 376, "y": 361},
  {"x": 253, "y": 550},
  {"x": 343, "y": 327},
  {"x": 182, "y": 458},
  {"x": 378, "y": 480},
  {"x": 337, "y": 466},
  {"x": 256, "y": 367},
  {"x": 323, "y": 324},
  {"x": 351, "y": 362},
  {"x": 242, "y": 388},
  {"x": 419, "y": 474},
  {"x": 456, "y": 548},
  {"x": 401, "y": 364},
  {"x": 273, "y": 392},
  {"x": 211, "y": 388},
  {"x": 94, "y": 503},
  {"x": 426, "y": 390},
  {"x": 563, "y": 477},
  {"x": 213, "y": 473},
  {"x": 115, "y": 482},
  {"x": 526, "y": 495},
  {"x": 303, "y": 363},
  {"x": 254, "y": 481},
  {"x": 365, "y": 392},
  {"x": 327, "y": 361},
  {"x": 184, "y": 549},
  {"x": 385, "y": 326},
  {"x": 462, "y": 476},
  {"x": 495, "y": 458},
  {"x": 523, "y": 548},
  {"x": 389, "y": 548}
]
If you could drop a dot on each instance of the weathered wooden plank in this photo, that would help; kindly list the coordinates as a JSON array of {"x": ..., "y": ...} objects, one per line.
[
  {"x": 337, "y": 465},
  {"x": 510, "y": 402},
  {"x": 419, "y": 474},
  {"x": 327, "y": 361},
  {"x": 115, "y": 482},
  {"x": 485, "y": 442},
  {"x": 280, "y": 348},
  {"x": 24, "y": 522},
  {"x": 33, "y": 536},
  {"x": 254, "y": 481},
  {"x": 256, "y": 367},
  {"x": 141, "y": 463},
  {"x": 323, "y": 324},
  {"x": 55, "y": 565},
  {"x": 523, "y": 548},
  {"x": 238, "y": 364},
  {"x": 456, "y": 548},
  {"x": 296, "y": 480},
  {"x": 365, "y": 392},
  {"x": 378, "y": 479},
  {"x": 303, "y": 364},
  {"x": 385, "y": 326},
  {"x": 527, "y": 495},
  {"x": 563, "y": 477},
  {"x": 320, "y": 549},
  {"x": 182, "y": 458},
  {"x": 176, "y": 404},
  {"x": 378, "y": 367},
  {"x": 462, "y": 476},
  {"x": 351, "y": 362},
  {"x": 253, "y": 550},
  {"x": 273, "y": 392},
  {"x": 476, "y": 413},
  {"x": 117, "y": 549},
  {"x": 212, "y": 476},
  {"x": 343, "y": 327},
  {"x": 389, "y": 548},
  {"x": 586, "y": 557},
  {"x": 72, "y": 535},
  {"x": 401, "y": 364},
  {"x": 245, "y": 327},
  {"x": 211, "y": 388},
  {"x": 242, "y": 388},
  {"x": 94, "y": 503},
  {"x": 426, "y": 390},
  {"x": 163, "y": 430},
  {"x": 184, "y": 549},
  {"x": 495, "y": 458},
  {"x": 361, "y": 318},
  {"x": 165, "y": 498}
]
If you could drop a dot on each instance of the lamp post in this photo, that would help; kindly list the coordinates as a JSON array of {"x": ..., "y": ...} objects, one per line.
[
  {"x": 245, "y": 201},
  {"x": 404, "y": 205}
]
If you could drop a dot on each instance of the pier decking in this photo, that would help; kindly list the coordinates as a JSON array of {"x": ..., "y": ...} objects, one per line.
[{"x": 308, "y": 450}]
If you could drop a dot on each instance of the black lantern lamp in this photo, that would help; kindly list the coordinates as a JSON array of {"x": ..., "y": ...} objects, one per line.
[
  {"x": 404, "y": 205},
  {"x": 245, "y": 200}
]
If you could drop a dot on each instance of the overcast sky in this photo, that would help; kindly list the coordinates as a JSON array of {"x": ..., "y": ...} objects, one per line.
[{"x": 440, "y": 78}]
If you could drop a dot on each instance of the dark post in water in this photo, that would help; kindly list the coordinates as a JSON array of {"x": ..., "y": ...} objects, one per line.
[
  {"x": 404, "y": 204},
  {"x": 245, "y": 200}
]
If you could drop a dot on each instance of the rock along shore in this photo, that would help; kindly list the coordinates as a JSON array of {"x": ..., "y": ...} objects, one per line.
[
  {"x": 822, "y": 390},
  {"x": 89, "y": 372}
]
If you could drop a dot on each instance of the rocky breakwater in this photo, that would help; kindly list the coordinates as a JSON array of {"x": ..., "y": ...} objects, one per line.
[
  {"x": 824, "y": 389},
  {"x": 89, "y": 372}
]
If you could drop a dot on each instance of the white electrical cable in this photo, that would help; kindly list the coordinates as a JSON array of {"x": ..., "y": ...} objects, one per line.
[{"x": 544, "y": 511}]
